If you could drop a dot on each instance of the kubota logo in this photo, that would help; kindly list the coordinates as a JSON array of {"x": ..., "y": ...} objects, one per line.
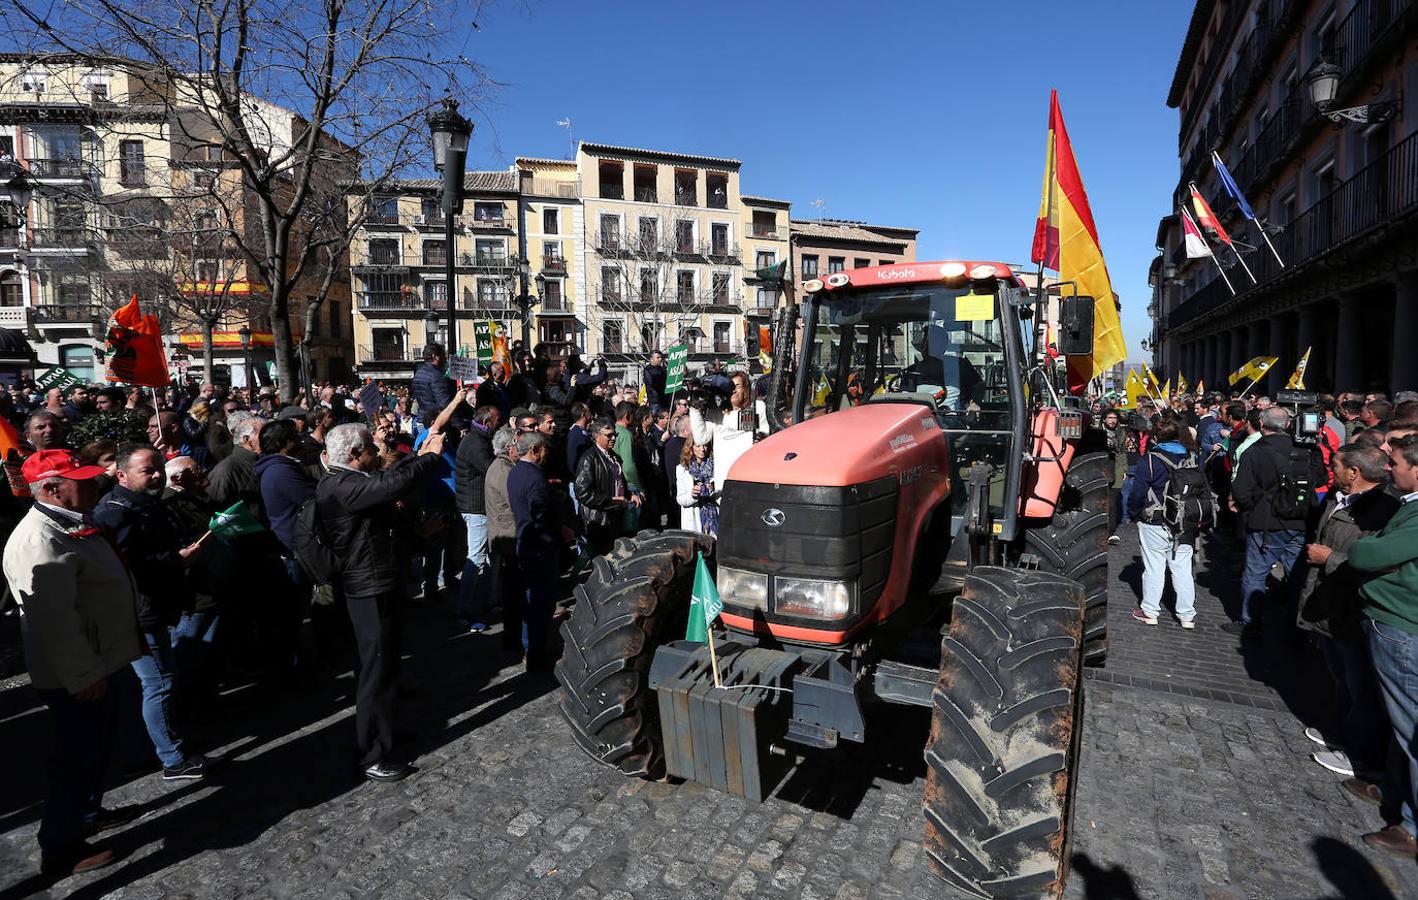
[{"x": 773, "y": 518}]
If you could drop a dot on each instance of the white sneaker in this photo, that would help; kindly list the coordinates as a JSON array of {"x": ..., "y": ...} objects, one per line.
[
  {"x": 1189, "y": 624},
  {"x": 1114, "y": 539},
  {"x": 1317, "y": 736},
  {"x": 1336, "y": 761}
]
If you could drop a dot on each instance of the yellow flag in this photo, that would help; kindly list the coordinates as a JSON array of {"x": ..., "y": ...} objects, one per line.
[
  {"x": 640, "y": 399},
  {"x": 1181, "y": 383},
  {"x": 1167, "y": 390},
  {"x": 1254, "y": 369},
  {"x": 1133, "y": 388},
  {"x": 1149, "y": 380},
  {"x": 1200, "y": 386},
  {"x": 824, "y": 387},
  {"x": 1297, "y": 380}
]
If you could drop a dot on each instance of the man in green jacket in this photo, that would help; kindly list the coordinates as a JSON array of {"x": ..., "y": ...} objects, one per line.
[{"x": 1391, "y": 606}]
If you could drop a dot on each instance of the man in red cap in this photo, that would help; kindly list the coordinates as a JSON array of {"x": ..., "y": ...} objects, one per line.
[{"x": 80, "y": 625}]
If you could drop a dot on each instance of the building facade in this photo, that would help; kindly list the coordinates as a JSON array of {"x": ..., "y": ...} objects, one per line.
[
  {"x": 1338, "y": 198},
  {"x": 822, "y": 247}
]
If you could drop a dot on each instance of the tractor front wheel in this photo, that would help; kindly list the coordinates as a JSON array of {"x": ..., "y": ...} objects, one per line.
[
  {"x": 636, "y": 599},
  {"x": 1002, "y": 751}
]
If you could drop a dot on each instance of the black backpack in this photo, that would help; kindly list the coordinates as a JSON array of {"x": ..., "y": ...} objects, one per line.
[
  {"x": 1296, "y": 483},
  {"x": 1187, "y": 505},
  {"x": 313, "y": 549}
]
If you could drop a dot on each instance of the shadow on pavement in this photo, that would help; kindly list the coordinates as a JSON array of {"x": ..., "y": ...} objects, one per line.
[
  {"x": 1113, "y": 883},
  {"x": 836, "y": 781},
  {"x": 1351, "y": 874}
]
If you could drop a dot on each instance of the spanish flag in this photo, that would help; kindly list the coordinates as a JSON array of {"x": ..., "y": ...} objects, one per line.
[
  {"x": 1254, "y": 369},
  {"x": 1297, "y": 379},
  {"x": 1066, "y": 240}
]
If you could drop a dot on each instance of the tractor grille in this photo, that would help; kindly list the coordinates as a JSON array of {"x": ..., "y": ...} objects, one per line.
[{"x": 824, "y": 532}]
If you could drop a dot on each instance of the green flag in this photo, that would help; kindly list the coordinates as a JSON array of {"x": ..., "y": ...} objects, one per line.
[
  {"x": 705, "y": 606},
  {"x": 234, "y": 521}
]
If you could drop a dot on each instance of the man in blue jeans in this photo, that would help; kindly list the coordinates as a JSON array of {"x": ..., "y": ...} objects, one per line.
[
  {"x": 1390, "y": 596},
  {"x": 1275, "y": 529},
  {"x": 148, "y": 537}
]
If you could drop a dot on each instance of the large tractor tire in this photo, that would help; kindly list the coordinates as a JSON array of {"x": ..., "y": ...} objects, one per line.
[
  {"x": 1003, "y": 747},
  {"x": 1074, "y": 544},
  {"x": 636, "y": 599}
]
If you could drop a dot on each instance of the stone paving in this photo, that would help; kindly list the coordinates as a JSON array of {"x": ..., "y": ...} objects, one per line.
[{"x": 1195, "y": 782}]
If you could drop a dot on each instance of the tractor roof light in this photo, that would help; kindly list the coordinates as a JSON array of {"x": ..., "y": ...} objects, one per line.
[
  {"x": 952, "y": 270},
  {"x": 983, "y": 271},
  {"x": 813, "y": 286},
  {"x": 840, "y": 279}
]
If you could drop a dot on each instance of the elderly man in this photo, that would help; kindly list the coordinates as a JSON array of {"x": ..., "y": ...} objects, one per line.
[
  {"x": 45, "y": 431},
  {"x": 502, "y": 538},
  {"x": 234, "y": 478},
  {"x": 152, "y": 545},
  {"x": 78, "y": 606},
  {"x": 356, "y": 506},
  {"x": 540, "y": 536}
]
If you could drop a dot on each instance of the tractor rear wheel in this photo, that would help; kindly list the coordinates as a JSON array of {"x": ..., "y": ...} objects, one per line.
[
  {"x": 1074, "y": 544},
  {"x": 1002, "y": 751},
  {"x": 636, "y": 599}
]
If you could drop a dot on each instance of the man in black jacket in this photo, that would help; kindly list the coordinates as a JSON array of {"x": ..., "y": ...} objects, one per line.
[
  {"x": 601, "y": 490},
  {"x": 356, "y": 506},
  {"x": 474, "y": 457},
  {"x": 654, "y": 377},
  {"x": 432, "y": 388},
  {"x": 1273, "y": 533},
  {"x": 149, "y": 538},
  {"x": 540, "y": 536},
  {"x": 234, "y": 478}
]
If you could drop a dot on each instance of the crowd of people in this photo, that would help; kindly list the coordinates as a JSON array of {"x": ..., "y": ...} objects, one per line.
[
  {"x": 1318, "y": 508},
  {"x": 490, "y": 498}
]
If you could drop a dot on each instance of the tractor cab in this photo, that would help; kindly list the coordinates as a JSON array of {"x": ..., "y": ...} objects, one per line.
[{"x": 944, "y": 336}]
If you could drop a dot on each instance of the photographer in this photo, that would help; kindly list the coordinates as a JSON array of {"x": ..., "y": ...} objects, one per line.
[{"x": 729, "y": 430}]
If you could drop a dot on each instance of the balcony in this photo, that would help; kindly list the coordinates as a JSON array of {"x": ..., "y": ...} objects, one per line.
[
  {"x": 138, "y": 242},
  {"x": 759, "y": 231},
  {"x": 686, "y": 198},
  {"x": 9, "y": 238},
  {"x": 63, "y": 239},
  {"x": 69, "y": 313},
  {"x": 388, "y": 354},
  {"x": 721, "y": 250},
  {"x": 392, "y": 301},
  {"x": 59, "y": 168},
  {"x": 1378, "y": 195},
  {"x": 487, "y": 261},
  {"x": 13, "y": 317},
  {"x": 647, "y": 195},
  {"x": 554, "y": 265},
  {"x": 611, "y": 191},
  {"x": 382, "y": 218}
]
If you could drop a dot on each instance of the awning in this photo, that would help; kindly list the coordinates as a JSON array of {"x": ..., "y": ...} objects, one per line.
[{"x": 226, "y": 340}]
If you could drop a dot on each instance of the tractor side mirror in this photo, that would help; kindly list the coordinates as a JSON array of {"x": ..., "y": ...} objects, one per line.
[{"x": 1076, "y": 325}]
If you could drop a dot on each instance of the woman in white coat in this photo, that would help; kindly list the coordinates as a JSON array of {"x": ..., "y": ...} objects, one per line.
[{"x": 694, "y": 488}]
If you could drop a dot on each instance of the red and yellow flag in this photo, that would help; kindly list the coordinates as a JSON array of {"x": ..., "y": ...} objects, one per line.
[
  {"x": 1066, "y": 240},
  {"x": 1206, "y": 217},
  {"x": 135, "y": 354}
]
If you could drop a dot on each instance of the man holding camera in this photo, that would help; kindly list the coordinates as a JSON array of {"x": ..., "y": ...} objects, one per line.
[{"x": 730, "y": 430}]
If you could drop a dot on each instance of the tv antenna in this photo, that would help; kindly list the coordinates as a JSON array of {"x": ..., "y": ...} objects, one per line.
[{"x": 570, "y": 138}]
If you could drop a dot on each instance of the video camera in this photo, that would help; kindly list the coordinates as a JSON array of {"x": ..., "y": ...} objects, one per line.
[
  {"x": 709, "y": 391},
  {"x": 1307, "y": 419}
]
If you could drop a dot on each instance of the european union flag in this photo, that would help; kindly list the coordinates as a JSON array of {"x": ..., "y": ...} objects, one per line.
[{"x": 1229, "y": 185}]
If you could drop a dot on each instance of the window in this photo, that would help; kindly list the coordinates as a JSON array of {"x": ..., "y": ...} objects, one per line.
[
  {"x": 549, "y": 221},
  {"x": 610, "y": 232},
  {"x": 647, "y": 337},
  {"x": 490, "y": 294},
  {"x": 809, "y": 266},
  {"x": 387, "y": 343},
  {"x": 649, "y": 232},
  {"x": 721, "y": 288},
  {"x": 488, "y": 212},
  {"x": 612, "y": 340},
  {"x": 551, "y": 253},
  {"x": 72, "y": 290},
  {"x": 649, "y": 285},
  {"x": 11, "y": 289},
  {"x": 717, "y": 187},
  {"x": 337, "y": 318},
  {"x": 765, "y": 259},
  {"x": 34, "y": 81},
  {"x": 384, "y": 211},
  {"x": 684, "y": 286},
  {"x": 435, "y": 253},
  {"x": 765, "y": 224},
  {"x": 721, "y": 337},
  {"x": 490, "y": 253},
  {"x": 686, "y": 187},
  {"x": 552, "y": 300},
  {"x": 430, "y": 212},
  {"x": 860, "y": 263},
  {"x": 612, "y": 180},
  {"x": 684, "y": 237},
  {"x": 95, "y": 84},
  {"x": 556, "y": 331},
  {"x": 435, "y": 294},
  {"x": 719, "y": 239},
  {"x": 835, "y": 264},
  {"x": 610, "y": 284},
  {"x": 767, "y": 297},
  {"x": 203, "y": 179},
  {"x": 645, "y": 183},
  {"x": 385, "y": 252}
]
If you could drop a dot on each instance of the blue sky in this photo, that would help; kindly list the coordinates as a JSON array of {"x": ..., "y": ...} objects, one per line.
[{"x": 928, "y": 114}]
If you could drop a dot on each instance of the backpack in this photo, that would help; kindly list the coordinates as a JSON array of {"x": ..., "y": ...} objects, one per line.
[
  {"x": 313, "y": 549},
  {"x": 1187, "y": 505},
  {"x": 1296, "y": 484}
]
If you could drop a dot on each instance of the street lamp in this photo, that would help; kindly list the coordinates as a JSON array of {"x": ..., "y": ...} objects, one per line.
[
  {"x": 245, "y": 334},
  {"x": 450, "y": 154},
  {"x": 525, "y": 302},
  {"x": 1323, "y": 82}
]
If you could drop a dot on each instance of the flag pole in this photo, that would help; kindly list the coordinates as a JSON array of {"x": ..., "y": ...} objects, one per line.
[
  {"x": 713, "y": 656},
  {"x": 1209, "y": 252},
  {"x": 1248, "y": 388},
  {"x": 1243, "y": 264},
  {"x": 1265, "y": 237}
]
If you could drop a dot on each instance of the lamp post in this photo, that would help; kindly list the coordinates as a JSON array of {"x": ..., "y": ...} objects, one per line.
[
  {"x": 1323, "y": 82},
  {"x": 525, "y": 301},
  {"x": 245, "y": 334},
  {"x": 450, "y": 132}
]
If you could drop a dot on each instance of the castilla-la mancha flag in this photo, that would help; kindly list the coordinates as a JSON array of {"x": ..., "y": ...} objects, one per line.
[
  {"x": 135, "y": 348},
  {"x": 1066, "y": 240}
]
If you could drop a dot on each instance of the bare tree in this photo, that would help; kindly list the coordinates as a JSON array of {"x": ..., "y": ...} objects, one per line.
[{"x": 300, "y": 98}]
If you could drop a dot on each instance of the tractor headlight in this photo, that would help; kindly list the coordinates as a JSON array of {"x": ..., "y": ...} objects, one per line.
[
  {"x": 809, "y": 597},
  {"x": 743, "y": 588}
]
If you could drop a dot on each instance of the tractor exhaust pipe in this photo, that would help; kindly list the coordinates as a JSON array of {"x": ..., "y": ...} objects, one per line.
[{"x": 784, "y": 330}]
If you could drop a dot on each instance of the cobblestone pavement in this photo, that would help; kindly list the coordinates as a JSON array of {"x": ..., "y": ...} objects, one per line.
[{"x": 1195, "y": 782}]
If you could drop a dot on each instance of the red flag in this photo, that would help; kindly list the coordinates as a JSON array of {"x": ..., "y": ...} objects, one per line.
[
  {"x": 1207, "y": 218},
  {"x": 135, "y": 354}
]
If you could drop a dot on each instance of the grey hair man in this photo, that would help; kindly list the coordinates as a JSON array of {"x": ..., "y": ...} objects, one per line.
[
  {"x": 355, "y": 503},
  {"x": 234, "y": 478}
]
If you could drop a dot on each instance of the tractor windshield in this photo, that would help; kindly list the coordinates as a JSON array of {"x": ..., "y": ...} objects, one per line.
[{"x": 930, "y": 342}]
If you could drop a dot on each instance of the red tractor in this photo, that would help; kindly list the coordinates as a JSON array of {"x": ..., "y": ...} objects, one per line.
[{"x": 923, "y": 527}]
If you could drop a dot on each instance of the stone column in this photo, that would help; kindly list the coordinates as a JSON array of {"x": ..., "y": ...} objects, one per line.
[
  {"x": 1282, "y": 346},
  {"x": 1208, "y": 359},
  {"x": 1403, "y": 375},
  {"x": 1222, "y": 366},
  {"x": 1307, "y": 328},
  {"x": 1348, "y": 350}
]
